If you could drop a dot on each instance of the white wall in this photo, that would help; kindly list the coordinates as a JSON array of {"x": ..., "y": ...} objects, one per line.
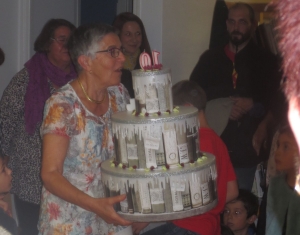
[
  {"x": 43, "y": 10},
  {"x": 9, "y": 39},
  {"x": 21, "y": 22},
  {"x": 179, "y": 29},
  {"x": 151, "y": 13}
]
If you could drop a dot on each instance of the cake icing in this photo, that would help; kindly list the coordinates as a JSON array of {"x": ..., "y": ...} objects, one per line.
[
  {"x": 157, "y": 161},
  {"x": 162, "y": 194},
  {"x": 153, "y": 90}
]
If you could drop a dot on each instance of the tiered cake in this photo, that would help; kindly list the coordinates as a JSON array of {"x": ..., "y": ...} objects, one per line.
[{"x": 157, "y": 161}]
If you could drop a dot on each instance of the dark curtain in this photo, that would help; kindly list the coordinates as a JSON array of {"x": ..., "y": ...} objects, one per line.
[{"x": 219, "y": 36}]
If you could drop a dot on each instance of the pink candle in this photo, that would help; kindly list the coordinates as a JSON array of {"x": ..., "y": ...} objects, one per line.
[
  {"x": 155, "y": 55},
  {"x": 145, "y": 61}
]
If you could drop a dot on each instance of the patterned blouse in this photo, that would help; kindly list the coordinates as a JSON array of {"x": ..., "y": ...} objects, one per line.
[
  {"x": 23, "y": 149},
  {"x": 90, "y": 143}
]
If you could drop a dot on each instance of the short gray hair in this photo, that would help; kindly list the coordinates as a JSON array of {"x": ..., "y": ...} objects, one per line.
[
  {"x": 85, "y": 41},
  {"x": 189, "y": 92}
]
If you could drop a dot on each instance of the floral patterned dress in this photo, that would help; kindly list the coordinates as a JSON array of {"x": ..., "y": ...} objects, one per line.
[{"x": 90, "y": 144}]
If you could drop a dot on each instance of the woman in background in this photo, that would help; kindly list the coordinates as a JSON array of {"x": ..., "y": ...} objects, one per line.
[
  {"x": 21, "y": 114},
  {"x": 134, "y": 41}
]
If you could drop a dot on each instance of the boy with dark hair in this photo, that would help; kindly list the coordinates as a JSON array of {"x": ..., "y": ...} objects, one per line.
[
  {"x": 241, "y": 212},
  {"x": 7, "y": 223},
  {"x": 188, "y": 93}
]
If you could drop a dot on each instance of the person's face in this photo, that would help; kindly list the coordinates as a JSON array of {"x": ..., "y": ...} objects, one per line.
[
  {"x": 131, "y": 37},
  {"x": 239, "y": 26},
  {"x": 105, "y": 67},
  {"x": 235, "y": 216},
  {"x": 286, "y": 152},
  {"x": 58, "y": 53},
  {"x": 5, "y": 179}
]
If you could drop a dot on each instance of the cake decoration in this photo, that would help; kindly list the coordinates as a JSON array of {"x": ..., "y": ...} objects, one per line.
[
  {"x": 152, "y": 86},
  {"x": 157, "y": 160},
  {"x": 145, "y": 61}
]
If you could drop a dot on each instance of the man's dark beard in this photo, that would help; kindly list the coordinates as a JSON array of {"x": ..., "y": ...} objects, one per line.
[{"x": 238, "y": 41}]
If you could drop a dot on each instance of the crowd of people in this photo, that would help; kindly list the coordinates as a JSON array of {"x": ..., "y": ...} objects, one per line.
[{"x": 55, "y": 129}]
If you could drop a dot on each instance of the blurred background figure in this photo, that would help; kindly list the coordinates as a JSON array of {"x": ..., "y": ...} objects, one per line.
[
  {"x": 289, "y": 30},
  {"x": 134, "y": 41},
  {"x": 21, "y": 114},
  {"x": 283, "y": 202}
]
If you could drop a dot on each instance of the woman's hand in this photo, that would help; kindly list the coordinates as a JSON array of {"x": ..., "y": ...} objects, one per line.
[
  {"x": 240, "y": 107},
  {"x": 103, "y": 207},
  {"x": 260, "y": 136},
  {"x": 54, "y": 152}
]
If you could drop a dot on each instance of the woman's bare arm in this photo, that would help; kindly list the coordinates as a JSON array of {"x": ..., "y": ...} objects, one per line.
[{"x": 54, "y": 153}]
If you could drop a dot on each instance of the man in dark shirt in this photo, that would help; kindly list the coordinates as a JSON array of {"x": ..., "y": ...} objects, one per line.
[{"x": 242, "y": 72}]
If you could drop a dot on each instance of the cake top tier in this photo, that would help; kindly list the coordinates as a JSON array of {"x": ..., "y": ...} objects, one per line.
[
  {"x": 153, "y": 90},
  {"x": 145, "y": 73}
]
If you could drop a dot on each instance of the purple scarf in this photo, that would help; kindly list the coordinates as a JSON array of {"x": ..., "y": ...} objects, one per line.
[{"x": 38, "y": 91}]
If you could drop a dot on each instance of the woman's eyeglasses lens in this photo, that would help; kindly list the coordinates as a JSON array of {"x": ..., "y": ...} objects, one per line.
[
  {"x": 61, "y": 41},
  {"x": 114, "y": 52}
]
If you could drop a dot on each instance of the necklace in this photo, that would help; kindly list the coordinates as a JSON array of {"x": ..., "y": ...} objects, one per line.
[{"x": 89, "y": 98}]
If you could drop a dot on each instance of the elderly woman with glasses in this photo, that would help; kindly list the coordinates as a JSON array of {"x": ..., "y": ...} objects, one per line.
[
  {"x": 21, "y": 114},
  {"x": 77, "y": 137}
]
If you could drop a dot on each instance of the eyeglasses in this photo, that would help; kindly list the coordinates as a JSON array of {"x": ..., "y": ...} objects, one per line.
[
  {"x": 61, "y": 40},
  {"x": 114, "y": 52},
  {"x": 235, "y": 213}
]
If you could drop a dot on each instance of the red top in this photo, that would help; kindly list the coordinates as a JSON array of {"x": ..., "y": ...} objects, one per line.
[
  {"x": 229, "y": 53},
  {"x": 231, "y": 56},
  {"x": 209, "y": 222}
]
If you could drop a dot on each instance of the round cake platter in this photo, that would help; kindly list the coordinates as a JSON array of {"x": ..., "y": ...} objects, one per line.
[
  {"x": 139, "y": 217},
  {"x": 109, "y": 173}
]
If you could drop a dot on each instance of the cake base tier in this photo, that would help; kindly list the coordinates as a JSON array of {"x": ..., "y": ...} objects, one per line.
[
  {"x": 139, "y": 217},
  {"x": 162, "y": 194}
]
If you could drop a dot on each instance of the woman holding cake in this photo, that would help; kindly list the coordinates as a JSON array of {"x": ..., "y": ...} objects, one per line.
[
  {"x": 77, "y": 137},
  {"x": 134, "y": 40}
]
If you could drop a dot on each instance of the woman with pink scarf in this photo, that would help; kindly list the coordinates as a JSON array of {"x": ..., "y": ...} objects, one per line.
[{"x": 21, "y": 114}]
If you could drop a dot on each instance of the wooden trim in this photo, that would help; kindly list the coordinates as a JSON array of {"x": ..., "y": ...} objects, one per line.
[
  {"x": 137, "y": 8},
  {"x": 24, "y": 7},
  {"x": 77, "y": 12}
]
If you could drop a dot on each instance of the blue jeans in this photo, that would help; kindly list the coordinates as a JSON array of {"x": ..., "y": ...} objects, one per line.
[
  {"x": 245, "y": 177},
  {"x": 169, "y": 229}
]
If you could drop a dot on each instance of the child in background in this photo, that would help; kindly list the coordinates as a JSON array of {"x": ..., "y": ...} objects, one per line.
[
  {"x": 283, "y": 202},
  {"x": 189, "y": 93},
  {"x": 225, "y": 230},
  {"x": 240, "y": 213},
  {"x": 7, "y": 223}
]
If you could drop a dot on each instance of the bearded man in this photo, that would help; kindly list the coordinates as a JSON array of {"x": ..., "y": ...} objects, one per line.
[{"x": 244, "y": 75}]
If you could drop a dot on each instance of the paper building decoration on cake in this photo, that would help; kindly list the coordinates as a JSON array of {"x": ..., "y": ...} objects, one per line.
[{"x": 157, "y": 161}]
